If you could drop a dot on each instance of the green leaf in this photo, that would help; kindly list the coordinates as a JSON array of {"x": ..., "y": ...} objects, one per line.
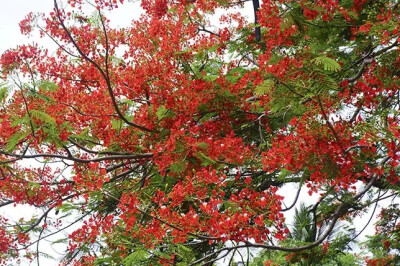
[
  {"x": 265, "y": 87},
  {"x": 231, "y": 206},
  {"x": 94, "y": 20},
  {"x": 20, "y": 121},
  {"x": 35, "y": 94},
  {"x": 3, "y": 94},
  {"x": 161, "y": 254},
  {"x": 60, "y": 241},
  {"x": 205, "y": 160},
  {"x": 235, "y": 73},
  {"x": 83, "y": 135},
  {"x": 202, "y": 145},
  {"x": 210, "y": 77},
  {"x": 15, "y": 139},
  {"x": 66, "y": 207},
  {"x": 116, "y": 124},
  {"x": 178, "y": 167},
  {"x": 184, "y": 252},
  {"x": 45, "y": 255},
  {"x": 284, "y": 174},
  {"x": 45, "y": 85},
  {"x": 316, "y": 8},
  {"x": 328, "y": 63},
  {"x": 207, "y": 117},
  {"x": 161, "y": 112},
  {"x": 43, "y": 117},
  {"x": 116, "y": 61},
  {"x": 187, "y": 50},
  {"x": 136, "y": 258},
  {"x": 127, "y": 101},
  {"x": 104, "y": 261},
  {"x": 214, "y": 48}
]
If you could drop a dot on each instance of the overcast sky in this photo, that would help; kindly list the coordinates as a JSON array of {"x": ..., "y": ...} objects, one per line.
[{"x": 11, "y": 13}]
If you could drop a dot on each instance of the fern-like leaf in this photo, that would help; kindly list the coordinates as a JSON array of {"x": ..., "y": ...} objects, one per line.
[{"x": 328, "y": 63}]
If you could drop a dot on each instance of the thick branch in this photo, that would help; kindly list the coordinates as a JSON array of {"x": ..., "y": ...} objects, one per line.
[
  {"x": 79, "y": 160},
  {"x": 257, "y": 31}
]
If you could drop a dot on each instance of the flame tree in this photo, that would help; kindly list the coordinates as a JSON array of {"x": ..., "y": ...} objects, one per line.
[{"x": 173, "y": 140}]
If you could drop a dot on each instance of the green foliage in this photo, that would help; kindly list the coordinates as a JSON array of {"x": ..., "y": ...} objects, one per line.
[
  {"x": 205, "y": 160},
  {"x": 47, "y": 86},
  {"x": 303, "y": 225},
  {"x": 139, "y": 257},
  {"x": 117, "y": 124},
  {"x": 163, "y": 112},
  {"x": 3, "y": 93},
  {"x": 185, "y": 253},
  {"x": 264, "y": 88},
  {"x": 235, "y": 74},
  {"x": 43, "y": 117},
  {"x": 305, "y": 231},
  {"x": 83, "y": 135},
  {"x": 178, "y": 167},
  {"x": 210, "y": 77},
  {"x": 15, "y": 139},
  {"x": 46, "y": 255},
  {"x": 60, "y": 241},
  {"x": 328, "y": 63}
]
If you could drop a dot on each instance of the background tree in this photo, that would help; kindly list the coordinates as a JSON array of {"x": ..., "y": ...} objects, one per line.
[
  {"x": 172, "y": 141},
  {"x": 304, "y": 230}
]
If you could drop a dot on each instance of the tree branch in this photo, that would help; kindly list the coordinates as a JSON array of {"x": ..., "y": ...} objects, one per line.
[
  {"x": 103, "y": 74},
  {"x": 79, "y": 160}
]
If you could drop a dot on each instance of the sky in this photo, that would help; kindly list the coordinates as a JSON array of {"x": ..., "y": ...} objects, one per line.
[{"x": 13, "y": 11}]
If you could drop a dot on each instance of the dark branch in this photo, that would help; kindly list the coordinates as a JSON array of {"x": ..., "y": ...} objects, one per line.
[
  {"x": 103, "y": 74},
  {"x": 79, "y": 160},
  {"x": 257, "y": 31}
]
